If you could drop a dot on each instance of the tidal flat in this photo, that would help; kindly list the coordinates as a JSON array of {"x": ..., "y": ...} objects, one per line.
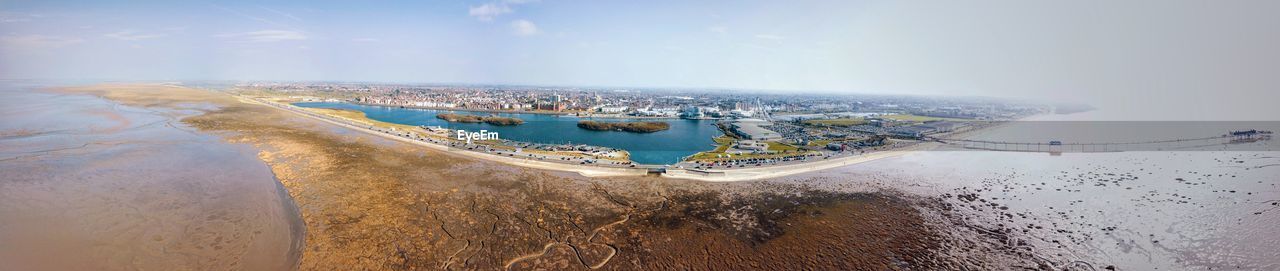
[
  {"x": 90, "y": 184},
  {"x": 372, "y": 203}
]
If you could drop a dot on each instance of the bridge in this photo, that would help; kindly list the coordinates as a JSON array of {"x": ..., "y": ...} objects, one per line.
[{"x": 1233, "y": 137}]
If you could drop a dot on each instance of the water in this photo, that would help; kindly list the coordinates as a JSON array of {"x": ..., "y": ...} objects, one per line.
[
  {"x": 88, "y": 184},
  {"x": 685, "y": 137}
]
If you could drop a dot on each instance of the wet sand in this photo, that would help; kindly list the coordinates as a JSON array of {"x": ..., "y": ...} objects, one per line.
[
  {"x": 373, "y": 203},
  {"x": 1186, "y": 210},
  {"x": 93, "y": 185}
]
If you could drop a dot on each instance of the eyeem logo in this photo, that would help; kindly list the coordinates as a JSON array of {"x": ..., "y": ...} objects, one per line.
[{"x": 481, "y": 135}]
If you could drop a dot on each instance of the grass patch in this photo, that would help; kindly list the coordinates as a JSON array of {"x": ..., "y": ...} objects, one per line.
[
  {"x": 918, "y": 118},
  {"x": 723, "y": 140},
  {"x": 465, "y": 118},
  {"x": 722, "y": 144},
  {"x": 843, "y": 122},
  {"x": 634, "y": 127},
  {"x": 781, "y": 147}
]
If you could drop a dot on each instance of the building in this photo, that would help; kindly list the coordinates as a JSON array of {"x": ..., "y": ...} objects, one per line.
[
  {"x": 741, "y": 113},
  {"x": 751, "y": 129},
  {"x": 656, "y": 112},
  {"x": 916, "y": 131},
  {"x": 551, "y": 106},
  {"x": 612, "y": 109},
  {"x": 699, "y": 112}
]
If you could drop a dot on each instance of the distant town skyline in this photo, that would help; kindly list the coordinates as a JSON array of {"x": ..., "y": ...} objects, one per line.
[{"x": 1170, "y": 54}]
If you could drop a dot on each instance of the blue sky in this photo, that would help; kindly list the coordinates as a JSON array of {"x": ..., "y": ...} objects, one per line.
[
  {"x": 1112, "y": 51},
  {"x": 625, "y": 43}
]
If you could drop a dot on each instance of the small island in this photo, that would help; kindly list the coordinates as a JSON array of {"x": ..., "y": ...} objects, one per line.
[
  {"x": 634, "y": 127},
  {"x": 492, "y": 120}
]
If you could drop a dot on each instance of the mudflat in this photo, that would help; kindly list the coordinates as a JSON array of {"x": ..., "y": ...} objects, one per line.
[
  {"x": 88, "y": 184},
  {"x": 373, "y": 203}
]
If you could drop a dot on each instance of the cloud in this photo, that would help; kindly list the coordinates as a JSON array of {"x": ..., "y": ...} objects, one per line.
[
  {"x": 9, "y": 17},
  {"x": 265, "y": 36},
  {"x": 770, "y": 37},
  {"x": 131, "y": 35},
  {"x": 37, "y": 41},
  {"x": 488, "y": 11},
  {"x": 524, "y": 28},
  {"x": 491, "y": 10}
]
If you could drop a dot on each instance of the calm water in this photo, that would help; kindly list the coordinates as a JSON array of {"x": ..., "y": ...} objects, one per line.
[{"x": 685, "y": 137}]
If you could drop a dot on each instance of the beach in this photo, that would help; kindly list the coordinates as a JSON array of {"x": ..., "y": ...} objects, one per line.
[{"x": 372, "y": 202}]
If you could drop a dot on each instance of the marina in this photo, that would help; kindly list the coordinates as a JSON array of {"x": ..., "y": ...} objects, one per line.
[{"x": 684, "y": 138}]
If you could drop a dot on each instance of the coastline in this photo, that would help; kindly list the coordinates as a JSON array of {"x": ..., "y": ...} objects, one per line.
[
  {"x": 378, "y": 204},
  {"x": 720, "y": 175},
  {"x": 588, "y": 171}
]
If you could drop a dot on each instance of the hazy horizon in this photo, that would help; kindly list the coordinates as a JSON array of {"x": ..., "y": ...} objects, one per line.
[{"x": 1159, "y": 59}]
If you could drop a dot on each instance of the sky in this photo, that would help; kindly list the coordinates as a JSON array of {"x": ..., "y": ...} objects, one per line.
[{"x": 1200, "y": 57}]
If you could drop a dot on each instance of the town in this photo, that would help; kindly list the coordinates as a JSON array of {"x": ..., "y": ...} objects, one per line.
[
  {"x": 757, "y": 129},
  {"x": 662, "y": 103}
]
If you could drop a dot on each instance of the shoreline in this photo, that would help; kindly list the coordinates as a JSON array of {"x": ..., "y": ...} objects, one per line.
[
  {"x": 588, "y": 171},
  {"x": 349, "y": 183},
  {"x": 722, "y": 175}
]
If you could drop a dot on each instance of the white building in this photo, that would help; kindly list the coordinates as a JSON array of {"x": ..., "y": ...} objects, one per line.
[
  {"x": 750, "y": 129},
  {"x": 612, "y": 109}
]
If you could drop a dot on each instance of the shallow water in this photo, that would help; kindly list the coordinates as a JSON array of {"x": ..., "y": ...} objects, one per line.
[{"x": 93, "y": 185}]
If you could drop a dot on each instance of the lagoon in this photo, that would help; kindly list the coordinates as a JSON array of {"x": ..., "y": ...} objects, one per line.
[{"x": 685, "y": 137}]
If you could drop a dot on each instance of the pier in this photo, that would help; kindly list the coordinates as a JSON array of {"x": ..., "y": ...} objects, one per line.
[{"x": 1054, "y": 146}]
